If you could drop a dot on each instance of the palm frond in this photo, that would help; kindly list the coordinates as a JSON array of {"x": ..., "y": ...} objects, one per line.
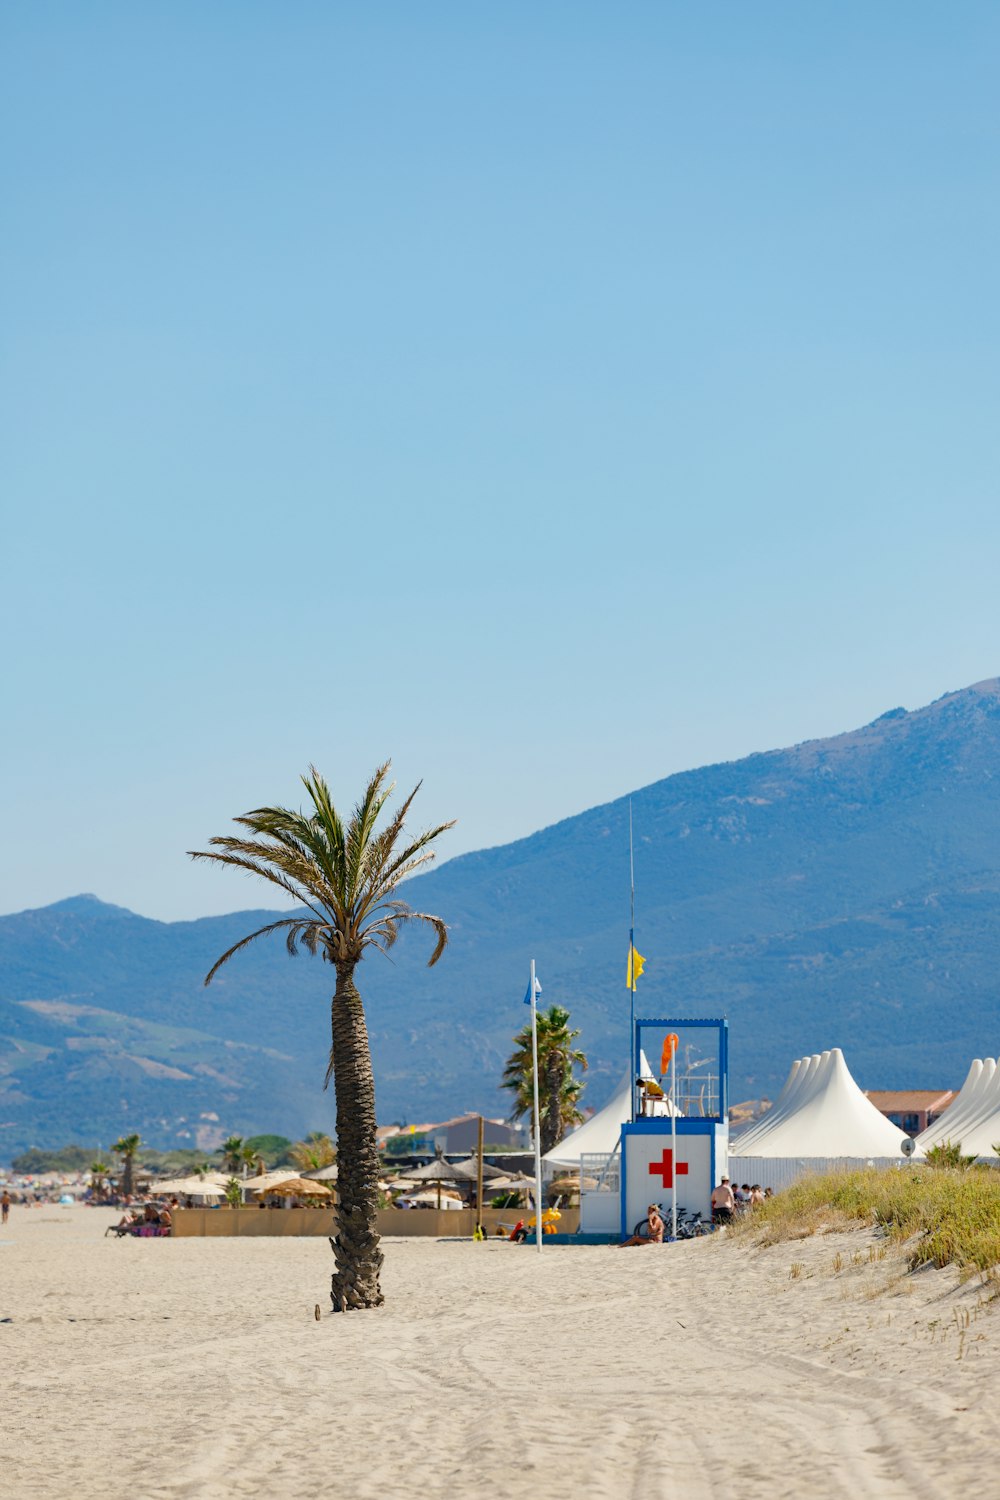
[
  {"x": 376, "y": 897},
  {"x": 383, "y": 934},
  {"x": 308, "y": 839},
  {"x": 256, "y": 867},
  {"x": 361, "y": 828},
  {"x": 296, "y": 867},
  {"x": 291, "y": 831},
  {"x": 406, "y": 915},
  {"x": 327, "y": 821},
  {"x": 391, "y": 873},
  {"x": 382, "y": 845},
  {"x": 308, "y": 933},
  {"x": 295, "y": 922}
]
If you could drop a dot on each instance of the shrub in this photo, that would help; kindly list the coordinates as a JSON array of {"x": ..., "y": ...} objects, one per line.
[
  {"x": 950, "y": 1215},
  {"x": 949, "y": 1155}
]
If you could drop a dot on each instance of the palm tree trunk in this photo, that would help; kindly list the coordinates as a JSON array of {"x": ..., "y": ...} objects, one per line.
[
  {"x": 127, "y": 1188},
  {"x": 553, "y": 1109},
  {"x": 355, "y": 1282}
]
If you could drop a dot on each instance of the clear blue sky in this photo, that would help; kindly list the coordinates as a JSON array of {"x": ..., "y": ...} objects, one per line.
[{"x": 549, "y": 396}]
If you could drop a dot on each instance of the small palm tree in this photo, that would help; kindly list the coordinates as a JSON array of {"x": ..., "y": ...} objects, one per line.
[
  {"x": 233, "y": 1190},
  {"x": 126, "y": 1147},
  {"x": 345, "y": 875},
  {"x": 558, "y": 1089},
  {"x": 98, "y": 1177},
  {"x": 315, "y": 1151}
]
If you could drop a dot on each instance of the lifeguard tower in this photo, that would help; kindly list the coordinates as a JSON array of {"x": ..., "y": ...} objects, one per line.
[{"x": 678, "y": 1137}]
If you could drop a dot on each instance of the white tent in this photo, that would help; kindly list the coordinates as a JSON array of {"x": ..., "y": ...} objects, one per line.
[
  {"x": 796, "y": 1087},
  {"x": 599, "y": 1136},
  {"x": 821, "y": 1112},
  {"x": 971, "y": 1121},
  {"x": 963, "y": 1110}
]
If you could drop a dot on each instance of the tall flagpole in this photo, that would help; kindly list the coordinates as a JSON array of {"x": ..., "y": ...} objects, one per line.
[
  {"x": 631, "y": 970},
  {"x": 673, "y": 1142},
  {"x": 538, "y": 1128}
]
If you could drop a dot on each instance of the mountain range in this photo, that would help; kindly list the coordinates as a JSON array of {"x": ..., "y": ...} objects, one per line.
[{"x": 844, "y": 892}]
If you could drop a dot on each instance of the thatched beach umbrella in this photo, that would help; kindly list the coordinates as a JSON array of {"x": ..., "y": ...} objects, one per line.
[
  {"x": 438, "y": 1171},
  {"x": 296, "y": 1186},
  {"x": 515, "y": 1183},
  {"x": 468, "y": 1171},
  {"x": 571, "y": 1183}
]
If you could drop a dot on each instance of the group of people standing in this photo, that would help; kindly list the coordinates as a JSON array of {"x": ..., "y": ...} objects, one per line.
[{"x": 728, "y": 1201}]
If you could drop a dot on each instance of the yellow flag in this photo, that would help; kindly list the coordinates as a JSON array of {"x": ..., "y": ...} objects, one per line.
[{"x": 640, "y": 964}]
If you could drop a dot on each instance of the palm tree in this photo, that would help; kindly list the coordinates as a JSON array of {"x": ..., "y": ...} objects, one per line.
[
  {"x": 558, "y": 1090},
  {"x": 231, "y": 1151},
  {"x": 98, "y": 1177},
  {"x": 317, "y": 1150},
  {"x": 126, "y": 1147},
  {"x": 248, "y": 1157},
  {"x": 345, "y": 875}
]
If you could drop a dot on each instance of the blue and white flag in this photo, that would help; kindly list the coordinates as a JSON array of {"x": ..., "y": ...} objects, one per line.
[{"x": 538, "y": 990}]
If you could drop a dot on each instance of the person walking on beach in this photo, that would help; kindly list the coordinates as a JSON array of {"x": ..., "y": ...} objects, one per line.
[{"x": 5, "y": 1205}]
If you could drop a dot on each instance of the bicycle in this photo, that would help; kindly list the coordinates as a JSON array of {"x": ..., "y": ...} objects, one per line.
[{"x": 689, "y": 1225}]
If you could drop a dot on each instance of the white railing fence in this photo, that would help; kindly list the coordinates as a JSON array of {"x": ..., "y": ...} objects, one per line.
[{"x": 779, "y": 1172}]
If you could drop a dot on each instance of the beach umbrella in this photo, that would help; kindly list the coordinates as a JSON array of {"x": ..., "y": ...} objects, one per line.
[
  {"x": 194, "y": 1187},
  {"x": 512, "y": 1183},
  {"x": 438, "y": 1171},
  {"x": 571, "y": 1184},
  {"x": 297, "y": 1186},
  {"x": 516, "y": 1182},
  {"x": 435, "y": 1197},
  {"x": 271, "y": 1179},
  {"x": 467, "y": 1171}
]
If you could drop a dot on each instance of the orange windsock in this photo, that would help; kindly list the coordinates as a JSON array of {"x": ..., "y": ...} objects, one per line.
[{"x": 670, "y": 1042}]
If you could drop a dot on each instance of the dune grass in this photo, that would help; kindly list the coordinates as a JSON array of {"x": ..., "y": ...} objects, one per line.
[{"x": 947, "y": 1216}]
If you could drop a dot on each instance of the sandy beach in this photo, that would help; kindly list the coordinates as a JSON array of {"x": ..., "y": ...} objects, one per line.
[{"x": 164, "y": 1368}]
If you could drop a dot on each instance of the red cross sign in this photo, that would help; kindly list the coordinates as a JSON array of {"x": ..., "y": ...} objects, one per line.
[{"x": 666, "y": 1168}]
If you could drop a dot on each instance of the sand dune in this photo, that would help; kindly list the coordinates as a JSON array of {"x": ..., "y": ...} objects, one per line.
[{"x": 163, "y": 1369}]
